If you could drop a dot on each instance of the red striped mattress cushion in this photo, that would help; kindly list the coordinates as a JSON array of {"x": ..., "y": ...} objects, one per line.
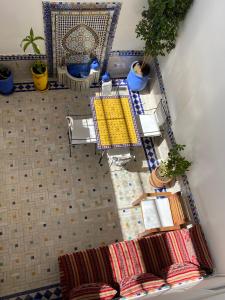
[
  {"x": 92, "y": 291},
  {"x": 199, "y": 249},
  {"x": 148, "y": 251},
  {"x": 176, "y": 242},
  {"x": 161, "y": 251},
  {"x": 126, "y": 259},
  {"x": 141, "y": 284},
  {"x": 181, "y": 272},
  {"x": 92, "y": 265}
]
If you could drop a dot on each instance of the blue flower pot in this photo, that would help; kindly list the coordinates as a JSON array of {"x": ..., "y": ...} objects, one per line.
[
  {"x": 135, "y": 81},
  {"x": 6, "y": 85}
]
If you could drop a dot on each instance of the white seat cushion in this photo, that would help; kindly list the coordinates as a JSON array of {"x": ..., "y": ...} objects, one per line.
[
  {"x": 158, "y": 207},
  {"x": 83, "y": 131},
  {"x": 148, "y": 125}
]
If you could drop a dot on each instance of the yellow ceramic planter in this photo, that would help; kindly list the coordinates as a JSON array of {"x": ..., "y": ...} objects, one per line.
[{"x": 40, "y": 80}]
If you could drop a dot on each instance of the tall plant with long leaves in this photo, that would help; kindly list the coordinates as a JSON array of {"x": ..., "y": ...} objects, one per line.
[
  {"x": 159, "y": 25},
  {"x": 31, "y": 41}
]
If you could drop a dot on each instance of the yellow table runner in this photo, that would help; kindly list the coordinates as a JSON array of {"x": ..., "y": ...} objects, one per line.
[{"x": 115, "y": 122}]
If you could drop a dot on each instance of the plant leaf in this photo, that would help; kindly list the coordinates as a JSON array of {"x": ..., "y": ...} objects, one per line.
[
  {"x": 27, "y": 39},
  {"x": 26, "y": 45},
  {"x": 31, "y": 32},
  {"x": 38, "y": 38},
  {"x": 35, "y": 48},
  {"x": 30, "y": 40}
]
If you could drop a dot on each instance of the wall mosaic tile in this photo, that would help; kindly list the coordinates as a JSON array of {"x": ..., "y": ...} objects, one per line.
[
  {"x": 60, "y": 19},
  {"x": 21, "y": 57},
  {"x": 127, "y": 53}
]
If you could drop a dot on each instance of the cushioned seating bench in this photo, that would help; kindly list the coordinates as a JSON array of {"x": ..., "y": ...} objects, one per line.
[{"x": 130, "y": 268}]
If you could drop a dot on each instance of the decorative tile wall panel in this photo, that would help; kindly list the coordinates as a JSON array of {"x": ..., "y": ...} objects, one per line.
[{"x": 75, "y": 30}]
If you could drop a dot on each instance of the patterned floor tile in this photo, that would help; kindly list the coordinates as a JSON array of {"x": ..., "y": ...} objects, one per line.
[{"x": 50, "y": 203}]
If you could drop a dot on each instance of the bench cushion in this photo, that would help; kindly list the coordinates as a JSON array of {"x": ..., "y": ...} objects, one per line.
[
  {"x": 93, "y": 291},
  {"x": 126, "y": 259},
  {"x": 199, "y": 252},
  {"x": 181, "y": 272},
  {"x": 141, "y": 284},
  {"x": 92, "y": 265},
  {"x": 176, "y": 242}
]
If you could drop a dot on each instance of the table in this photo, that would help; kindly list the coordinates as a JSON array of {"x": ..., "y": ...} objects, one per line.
[{"x": 114, "y": 122}]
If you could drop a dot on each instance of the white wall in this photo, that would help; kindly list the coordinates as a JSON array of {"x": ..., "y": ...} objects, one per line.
[
  {"x": 16, "y": 18},
  {"x": 194, "y": 77}
]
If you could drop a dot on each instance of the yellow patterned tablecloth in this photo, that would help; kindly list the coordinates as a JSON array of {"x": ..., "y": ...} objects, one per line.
[{"x": 114, "y": 122}]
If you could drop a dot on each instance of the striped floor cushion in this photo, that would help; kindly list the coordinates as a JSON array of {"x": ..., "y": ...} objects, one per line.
[
  {"x": 92, "y": 265},
  {"x": 176, "y": 244},
  {"x": 126, "y": 259},
  {"x": 161, "y": 251},
  {"x": 92, "y": 291},
  {"x": 201, "y": 249},
  {"x": 178, "y": 273},
  {"x": 138, "y": 285}
]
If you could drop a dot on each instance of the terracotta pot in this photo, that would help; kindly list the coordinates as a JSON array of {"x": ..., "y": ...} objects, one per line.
[{"x": 156, "y": 182}]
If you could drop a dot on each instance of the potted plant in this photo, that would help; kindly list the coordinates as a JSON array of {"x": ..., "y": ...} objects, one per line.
[
  {"x": 175, "y": 165},
  {"x": 6, "y": 80},
  {"x": 39, "y": 68},
  {"x": 158, "y": 28}
]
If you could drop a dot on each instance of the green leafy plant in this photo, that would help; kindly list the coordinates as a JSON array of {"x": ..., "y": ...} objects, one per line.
[
  {"x": 4, "y": 72},
  {"x": 159, "y": 26},
  {"x": 31, "y": 41},
  {"x": 175, "y": 165}
]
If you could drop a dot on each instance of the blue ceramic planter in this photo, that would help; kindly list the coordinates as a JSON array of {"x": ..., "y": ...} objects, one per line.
[
  {"x": 136, "y": 82},
  {"x": 6, "y": 85}
]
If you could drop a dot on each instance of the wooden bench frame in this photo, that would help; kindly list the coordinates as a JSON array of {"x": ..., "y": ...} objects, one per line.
[{"x": 179, "y": 215}]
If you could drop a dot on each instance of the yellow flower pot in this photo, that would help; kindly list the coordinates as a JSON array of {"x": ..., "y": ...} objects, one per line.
[{"x": 40, "y": 80}]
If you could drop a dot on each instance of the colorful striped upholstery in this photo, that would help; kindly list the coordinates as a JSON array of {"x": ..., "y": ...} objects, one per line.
[
  {"x": 181, "y": 254},
  {"x": 89, "y": 266},
  {"x": 149, "y": 245},
  {"x": 161, "y": 250},
  {"x": 126, "y": 259},
  {"x": 141, "y": 284},
  {"x": 181, "y": 272},
  {"x": 200, "y": 248},
  {"x": 176, "y": 245},
  {"x": 92, "y": 291}
]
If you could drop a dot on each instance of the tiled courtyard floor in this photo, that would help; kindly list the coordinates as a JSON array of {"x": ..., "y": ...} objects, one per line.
[{"x": 50, "y": 203}]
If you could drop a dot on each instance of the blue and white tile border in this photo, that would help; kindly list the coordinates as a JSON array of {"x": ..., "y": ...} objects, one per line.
[
  {"x": 127, "y": 53},
  {"x": 113, "y": 53},
  {"x": 54, "y": 85},
  {"x": 44, "y": 56},
  {"x": 50, "y": 292},
  {"x": 29, "y": 86},
  {"x": 22, "y": 57}
]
